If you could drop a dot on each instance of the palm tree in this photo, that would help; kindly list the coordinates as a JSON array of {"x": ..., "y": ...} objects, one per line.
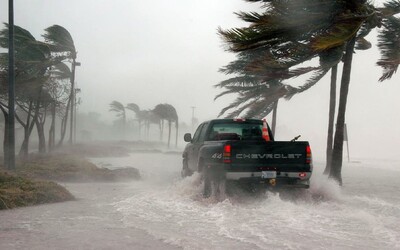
[
  {"x": 34, "y": 72},
  {"x": 119, "y": 108},
  {"x": 296, "y": 31},
  {"x": 160, "y": 112},
  {"x": 262, "y": 72},
  {"x": 332, "y": 107},
  {"x": 60, "y": 41},
  {"x": 390, "y": 51},
  {"x": 56, "y": 88},
  {"x": 149, "y": 117},
  {"x": 168, "y": 113},
  {"x": 135, "y": 108},
  {"x": 32, "y": 61},
  {"x": 172, "y": 116}
]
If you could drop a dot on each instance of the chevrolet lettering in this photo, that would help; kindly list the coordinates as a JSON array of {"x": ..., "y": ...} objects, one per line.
[{"x": 268, "y": 156}]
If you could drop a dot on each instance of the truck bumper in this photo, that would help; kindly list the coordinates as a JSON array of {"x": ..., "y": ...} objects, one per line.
[{"x": 283, "y": 179}]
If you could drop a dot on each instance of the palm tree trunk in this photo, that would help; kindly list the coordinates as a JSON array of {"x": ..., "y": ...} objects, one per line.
[
  {"x": 28, "y": 127},
  {"x": 140, "y": 129},
  {"x": 124, "y": 124},
  {"x": 147, "y": 136},
  {"x": 64, "y": 124},
  {"x": 161, "y": 129},
  {"x": 42, "y": 139},
  {"x": 337, "y": 153},
  {"x": 52, "y": 130},
  {"x": 274, "y": 113},
  {"x": 169, "y": 132},
  {"x": 177, "y": 131},
  {"x": 332, "y": 107},
  {"x": 23, "y": 151}
]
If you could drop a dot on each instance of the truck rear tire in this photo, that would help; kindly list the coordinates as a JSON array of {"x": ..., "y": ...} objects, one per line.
[
  {"x": 185, "y": 172},
  {"x": 206, "y": 176}
]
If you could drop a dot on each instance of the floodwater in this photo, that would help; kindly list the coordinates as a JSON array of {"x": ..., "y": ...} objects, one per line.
[{"x": 162, "y": 211}]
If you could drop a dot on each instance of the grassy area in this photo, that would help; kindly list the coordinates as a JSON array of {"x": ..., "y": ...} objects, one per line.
[
  {"x": 35, "y": 179},
  {"x": 70, "y": 168},
  {"x": 17, "y": 191}
]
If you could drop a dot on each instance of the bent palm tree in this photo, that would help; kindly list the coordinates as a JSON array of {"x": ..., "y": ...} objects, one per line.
[
  {"x": 60, "y": 41},
  {"x": 135, "y": 108},
  {"x": 312, "y": 29},
  {"x": 33, "y": 58},
  {"x": 119, "y": 108},
  {"x": 56, "y": 88},
  {"x": 167, "y": 112}
]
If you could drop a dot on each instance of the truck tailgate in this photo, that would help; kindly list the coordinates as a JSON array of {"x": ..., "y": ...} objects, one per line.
[{"x": 260, "y": 155}]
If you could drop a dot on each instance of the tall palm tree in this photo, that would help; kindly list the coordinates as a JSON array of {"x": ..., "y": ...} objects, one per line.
[
  {"x": 60, "y": 41},
  {"x": 311, "y": 29},
  {"x": 172, "y": 116},
  {"x": 32, "y": 60},
  {"x": 161, "y": 112},
  {"x": 119, "y": 108},
  {"x": 390, "y": 52},
  {"x": 55, "y": 87},
  {"x": 168, "y": 113},
  {"x": 135, "y": 108},
  {"x": 264, "y": 69}
]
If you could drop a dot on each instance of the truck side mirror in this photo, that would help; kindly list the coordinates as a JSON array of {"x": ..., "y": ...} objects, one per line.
[{"x": 187, "y": 137}]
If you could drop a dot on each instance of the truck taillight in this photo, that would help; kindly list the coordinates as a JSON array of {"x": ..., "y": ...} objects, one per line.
[
  {"x": 227, "y": 153},
  {"x": 308, "y": 154}
]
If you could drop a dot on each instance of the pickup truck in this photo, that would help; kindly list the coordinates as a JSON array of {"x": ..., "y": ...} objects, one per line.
[{"x": 244, "y": 151}]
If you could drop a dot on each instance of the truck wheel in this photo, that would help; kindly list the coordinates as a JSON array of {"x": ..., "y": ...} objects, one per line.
[
  {"x": 185, "y": 169},
  {"x": 207, "y": 182}
]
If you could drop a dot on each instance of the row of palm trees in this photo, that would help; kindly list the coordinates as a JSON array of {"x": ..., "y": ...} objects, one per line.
[
  {"x": 273, "y": 48},
  {"x": 160, "y": 114},
  {"x": 43, "y": 83}
]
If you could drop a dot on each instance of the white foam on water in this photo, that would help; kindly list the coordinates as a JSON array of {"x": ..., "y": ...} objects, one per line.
[{"x": 325, "y": 216}]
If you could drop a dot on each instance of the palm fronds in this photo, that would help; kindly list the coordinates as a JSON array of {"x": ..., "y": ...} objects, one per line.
[
  {"x": 389, "y": 45},
  {"x": 117, "y": 107},
  {"x": 60, "y": 40}
]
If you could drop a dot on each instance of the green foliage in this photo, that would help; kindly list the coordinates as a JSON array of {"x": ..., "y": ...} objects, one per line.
[
  {"x": 286, "y": 34},
  {"x": 389, "y": 45},
  {"x": 60, "y": 40}
]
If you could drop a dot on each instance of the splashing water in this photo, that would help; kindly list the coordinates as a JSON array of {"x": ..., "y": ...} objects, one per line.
[{"x": 324, "y": 216}]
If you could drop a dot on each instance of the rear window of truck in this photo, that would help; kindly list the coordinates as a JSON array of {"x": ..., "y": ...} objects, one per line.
[{"x": 235, "y": 131}]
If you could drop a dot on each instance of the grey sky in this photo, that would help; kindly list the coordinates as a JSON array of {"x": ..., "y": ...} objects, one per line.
[{"x": 159, "y": 51}]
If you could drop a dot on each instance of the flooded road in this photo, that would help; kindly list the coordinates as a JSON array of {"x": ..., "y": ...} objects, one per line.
[{"x": 162, "y": 211}]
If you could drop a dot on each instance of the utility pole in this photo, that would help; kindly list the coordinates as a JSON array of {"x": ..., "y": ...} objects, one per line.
[
  {"x": 193, "y": 108},
  {"x": 11, "y": 89},
  {"x": 77, "y": 90},
  {"x": 71, "y": 128}
]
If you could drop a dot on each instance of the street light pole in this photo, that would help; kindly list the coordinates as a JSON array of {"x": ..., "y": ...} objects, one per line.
[
  {"x": 11, "y": 89},
  {"x": 74, "y": 64},
  {"x": 77, "y": 90},
  {"x": 193, "y": 108}
]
